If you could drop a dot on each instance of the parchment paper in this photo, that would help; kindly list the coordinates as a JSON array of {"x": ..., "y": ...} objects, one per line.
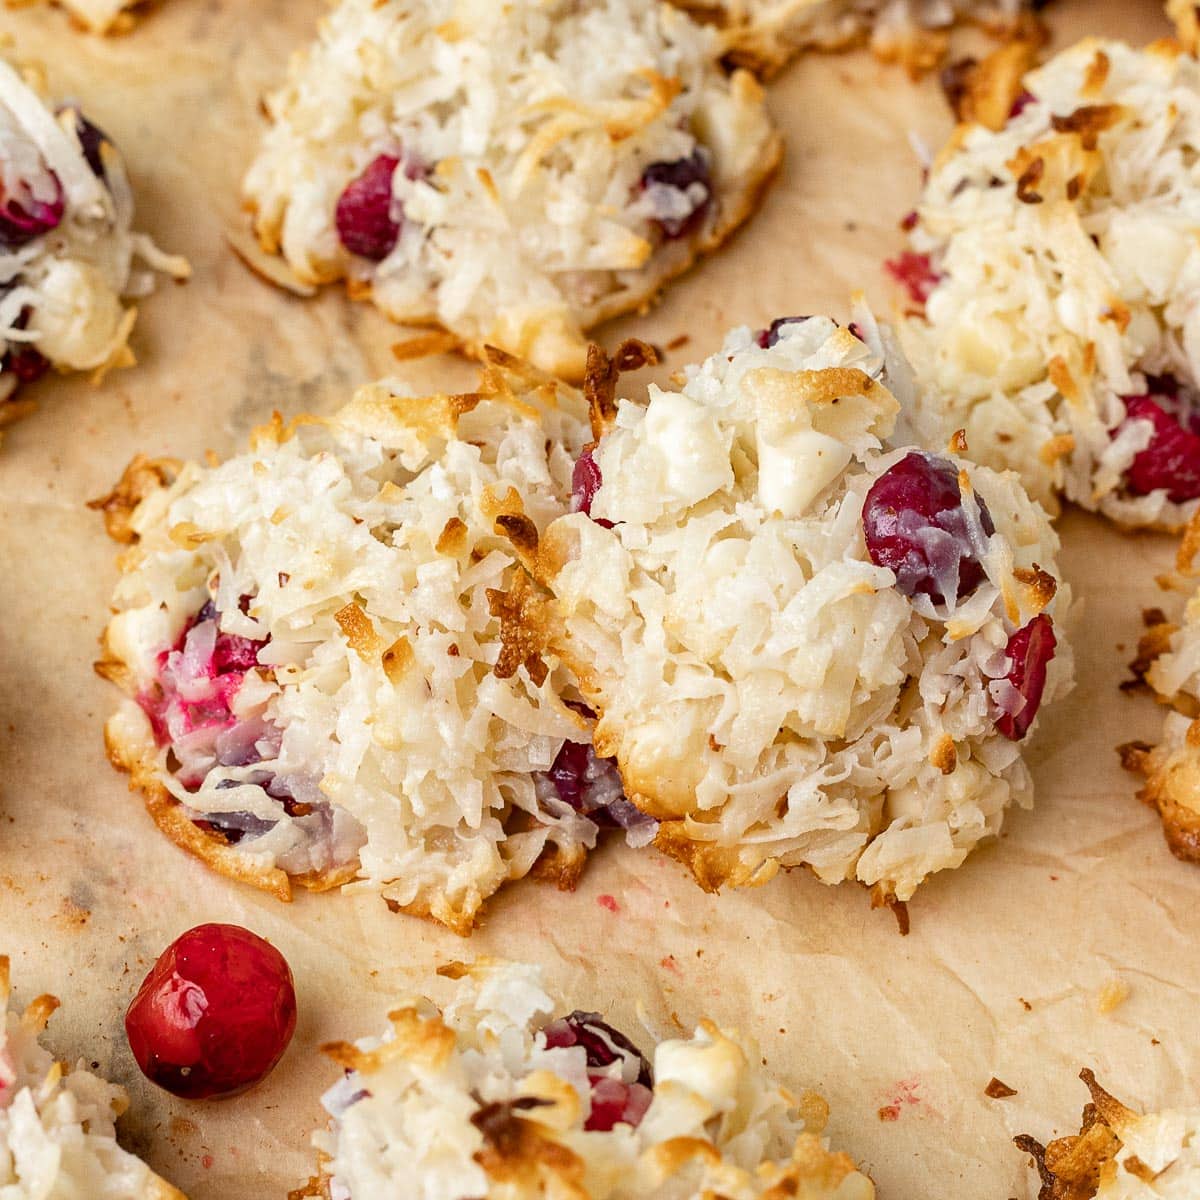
[{"x": 1002, "y": 972}]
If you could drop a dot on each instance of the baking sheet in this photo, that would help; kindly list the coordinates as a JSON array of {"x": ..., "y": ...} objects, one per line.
[{"x": 1002, "y": 973}]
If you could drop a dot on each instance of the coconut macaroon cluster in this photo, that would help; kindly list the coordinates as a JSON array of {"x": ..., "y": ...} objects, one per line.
[
  {"x": 514, "y": 173},
  {"x": 505, "y": 1095},
  {"x": 321, "y": 644},
  {"x": 68, "y": 253},
  {"x": 57, "y": 1134},
  {"x": 1168, "y": 661},
  {"x": 1119, "y": 1155},
  {"x": 1057, "y": 262},
  {"x": 765, "y": 34},
  {"x": 803, "y": 646}
]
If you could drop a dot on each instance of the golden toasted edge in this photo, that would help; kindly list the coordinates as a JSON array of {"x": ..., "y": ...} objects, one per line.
[{"x": 1070, "y": 1167}]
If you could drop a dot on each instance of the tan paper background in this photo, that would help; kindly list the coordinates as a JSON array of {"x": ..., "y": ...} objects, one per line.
[{"x": 1007, "y": 956}]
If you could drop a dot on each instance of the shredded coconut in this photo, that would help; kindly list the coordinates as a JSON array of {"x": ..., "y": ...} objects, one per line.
[
  {"x": 518, "y": 142},
  {"x": 765, "y": 34},
  {"x": 769, "y": 692},
  {"x": 103, "y": 16},
  {"x": 57, "y": 1135},
  {"x": 479, "y": 1101},
  {"x": 68, "y": 255},
  {"x": 324, "y": 642},
  {"x": 1067, "y": 247}
]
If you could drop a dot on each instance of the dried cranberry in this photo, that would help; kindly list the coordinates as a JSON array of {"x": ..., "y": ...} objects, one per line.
[
  {"x": 1030, "y": 650},
  {"x": 769, "y": 336},
  {"x": 915, "y": 524},
  {"x": 602, "y": 1044},
  {"x": 1024, "y": 99},
  {"x": 365, "y": 218},
  {"x": 691, "y": 177},
  {"x": 1171, "y": 461},
  {"x": 214, "y": 1015},
  {"x": 23, "y": 217},
  {"x": 914, "y": 273},
  {"x": 26, "y": 362},
  {"x": 585, "y": 483}
]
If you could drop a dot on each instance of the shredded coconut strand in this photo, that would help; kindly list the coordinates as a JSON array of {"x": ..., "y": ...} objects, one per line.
[
  {"x": 472, "y": 1102},
  {"x": 521, "y": 134},
  {"x": 337, "y": 710},
  {"x": 767, "y": 691},
  {"x": 1053, "y": 309},
  {"x": 57, "y": 1135}
]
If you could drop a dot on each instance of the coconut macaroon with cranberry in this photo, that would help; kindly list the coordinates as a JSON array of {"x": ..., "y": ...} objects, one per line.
[
  {"x": 57, "y": 1125},
  {"x": 1119, "y": 1154},
  {"x": 505, "y": 1094},
  {"x": 69, "y": 256},
  {"x": 1057, "y": 261},
  {"x": 321, "y": 645},
  {"x": 765, "y": 34},
  {"x": 514, "y": 173},
  {"x": 804, "y": 645}
]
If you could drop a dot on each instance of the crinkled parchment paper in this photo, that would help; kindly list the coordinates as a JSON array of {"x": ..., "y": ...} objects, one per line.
[{"x": 1002, "y": 973}]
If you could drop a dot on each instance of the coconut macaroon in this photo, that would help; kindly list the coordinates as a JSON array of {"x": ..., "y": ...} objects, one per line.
[
  {"x": 1119, "y": 1155},
  {"x": 57, "y": 1135},
  {"x": 321, "y": 644},
  {"x": 68, "y": 255},
  {"x": 1168, "y": 660},
  {"x": 104, "y": 16},
  {"x": 515, "y": 173},
  {"x": 1057, "y": 257},
  {"x": 765, "y": 34},
  {"x": 505, "y": 1095},
  {"x": 804, "y": 646}
]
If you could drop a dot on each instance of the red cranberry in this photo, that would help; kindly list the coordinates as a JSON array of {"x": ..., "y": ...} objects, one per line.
[
  {"x": 1021, "y": 103},
  {"x": 914, "y": 273},
  {"x": 602, "y": 1044},
  {"x": 585, "y": 483},
  {"x": 26, "y": 362},
  {"x": 681, "y": 176},
  {"x": 613, "y": 1100},
  {"x": 214, "y": 1015},
  {"x": 773, "y": 332},
  {"x": 915, "y": 524},
  {"x": 23, "y": 217},
  {"x": 364, "y": 215},
  {"x": 1172, "y": 459},
  {"x": 1030, "y": 649}
]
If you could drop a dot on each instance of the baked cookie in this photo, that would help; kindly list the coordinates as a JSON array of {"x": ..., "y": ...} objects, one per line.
[
  {"x": 515, "y": 173},
  {"x": 322, "y": 644},
  {"x": 1119, "y": 1155},
  {"x": 499, "y": 1096},
  {"x": 1056, "y": 259},
  {"x": 99, "y": 16},
  {"x": 1169, "y": 662},
  {"x": 765, "y": 34},
  {"x": 68, "y": 253},
  {"x": 56, "y": 1124},
  {"x": 804, "y": 645}
]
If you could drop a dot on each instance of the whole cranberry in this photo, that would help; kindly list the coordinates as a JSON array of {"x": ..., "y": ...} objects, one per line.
[
  {"x": 914, "y": 273},
  {"x": 364, "y": 214},
  {"x": 1172, "y": 459},
  {"x": 681, "y": 175},
  {"x": 915, "y": 524},
  {"x": 214, "y": 1015},
  {"x": 26, "y": 362},
  {"x": 1030, "y": 649}
]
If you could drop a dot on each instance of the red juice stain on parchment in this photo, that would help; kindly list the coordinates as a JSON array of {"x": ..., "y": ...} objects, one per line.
[
  {"x": 905, "y": 1096},
  {"x": 609, "y": 902}
]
